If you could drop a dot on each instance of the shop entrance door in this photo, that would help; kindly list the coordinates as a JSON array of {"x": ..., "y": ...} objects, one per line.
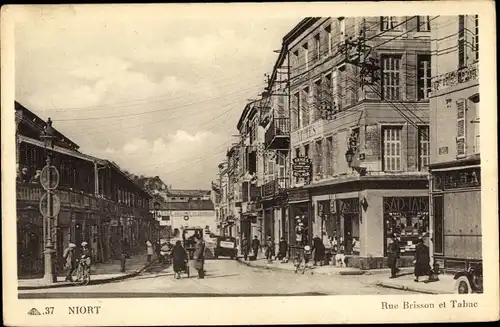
[{"x": 348, "y": 233}]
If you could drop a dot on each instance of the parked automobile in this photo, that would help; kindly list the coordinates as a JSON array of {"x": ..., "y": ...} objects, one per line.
[
  {"x": 470, "y": 280},
  {"x": 225, "y": 247}
]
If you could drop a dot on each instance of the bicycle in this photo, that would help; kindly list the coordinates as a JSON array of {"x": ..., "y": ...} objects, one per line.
[
  {"x": 301, "y": 260},
  {"x": 81, "y": 275}
]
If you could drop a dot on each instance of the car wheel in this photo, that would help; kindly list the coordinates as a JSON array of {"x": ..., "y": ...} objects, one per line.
[{"x": 462, "y": 285}]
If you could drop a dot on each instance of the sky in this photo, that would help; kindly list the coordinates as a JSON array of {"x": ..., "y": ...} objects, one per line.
[{"x": 156, "y": 91}]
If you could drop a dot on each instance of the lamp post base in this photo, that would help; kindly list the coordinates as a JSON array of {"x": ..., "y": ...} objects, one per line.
[{"x": 49, "y": 276}]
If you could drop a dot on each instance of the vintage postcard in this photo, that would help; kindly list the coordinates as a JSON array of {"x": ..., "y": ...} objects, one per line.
[{"x": 181, "y": 164}]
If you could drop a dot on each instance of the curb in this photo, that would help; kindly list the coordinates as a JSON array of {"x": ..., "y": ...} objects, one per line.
[
  {"x": 91, "y": 282},
  {"x": 408, "y": 288},
  {"x": 342, "y": 273}
]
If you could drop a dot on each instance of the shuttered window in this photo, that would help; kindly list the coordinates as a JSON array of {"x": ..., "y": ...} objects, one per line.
[
  {"x": 392, "y": 148},
  {"x": 461, "y": 41},
  {"x": 335, "y": 90},
  {"x": 423, "y": 147},
  {"x": 318, "y": 157},
  {"x": 424, "y": 76},
  {"x": 329, "y": 156},
  {"x": 461, "y": 127},
  {"x": 388, "y": 23},
  {"x": 476, "y": 36},
  {"x": 305, "y": 106},
  {"x": 391, "y": 81},
  {"x": 423, "y": 24}
]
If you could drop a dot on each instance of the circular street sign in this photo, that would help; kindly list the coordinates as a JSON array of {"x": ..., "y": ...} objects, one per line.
[
  {"x": 44, "y": 205},
  {"x": 49, "y": 173},
  {"x": 186, "y": 218}
]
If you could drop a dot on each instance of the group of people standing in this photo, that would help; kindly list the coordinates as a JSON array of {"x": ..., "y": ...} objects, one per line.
[
  {"x": 71, "y": 261},
  {"x": 421, "y": 262}
]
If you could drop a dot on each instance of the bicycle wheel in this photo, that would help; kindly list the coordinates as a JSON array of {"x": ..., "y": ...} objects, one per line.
[
  {"x": 77, "y": 276},
  {"x": 85, "y": 278},
  {"x": 187, "y": 271}
]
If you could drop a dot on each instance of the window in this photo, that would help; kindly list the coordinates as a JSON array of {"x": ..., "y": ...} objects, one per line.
[
  {"x": 388, "y": 23},
  {"x": 391, "y": 77},
  {"x": 328, "y": 32},
  {"x": 335, "y": 90},
  {"x": 317, "y": 100},
  {"x": 424, "y": 76},
  {"x": 329, "y": 156},
  {"x": 342, "y": 29},
  {"x": 318, "y": 169},
  {"x": 306, "y": 150},
  {"x": 392, "y": 148},
  {"x": 317, "y": 46},
  {"x": 461, "y": 127},
  {"x": 476, "y": 36},
  {"x": 461, "y": 41},
  {"x": 297, "y": 109},
  {"x": 423, "y": 147},
  {"x": 305, "y": 106},
  {"x": 305, "y": 48},
  {"x": 296, "y": 63},
  {"x": 423, "y": 24}
]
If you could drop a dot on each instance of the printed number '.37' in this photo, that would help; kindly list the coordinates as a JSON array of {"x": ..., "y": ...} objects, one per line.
[{"x": 49, "y": 310}]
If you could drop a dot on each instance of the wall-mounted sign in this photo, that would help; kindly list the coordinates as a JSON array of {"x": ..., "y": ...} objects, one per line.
[
  {"x": 301, "y": 166},
  {"x": 443, "y": 150},
  {"x": 298, "y": 195},
  {"x": 464, "y": 178}
]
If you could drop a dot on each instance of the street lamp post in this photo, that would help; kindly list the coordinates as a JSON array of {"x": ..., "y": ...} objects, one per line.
[{"x": 49, "y": 204}]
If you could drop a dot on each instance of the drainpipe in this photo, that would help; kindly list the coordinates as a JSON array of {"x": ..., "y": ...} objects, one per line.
[
  {"x": 96, "y": 179},
  {"x": 431, "y": 220}
]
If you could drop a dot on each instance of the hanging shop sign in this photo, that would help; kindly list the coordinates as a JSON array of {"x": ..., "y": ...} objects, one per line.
[
  {"x": 301, "y": 166},
  {"x": 300, "y": 195}
]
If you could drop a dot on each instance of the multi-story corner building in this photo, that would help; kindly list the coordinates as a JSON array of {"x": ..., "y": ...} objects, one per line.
[
  {"x": 99, "y": 203},
  {"x": 455, "y": 148},
  {"x": 275, "y": 118},
  {"x": 368, "y": 143},
  {"x": 250, "y": 154}
]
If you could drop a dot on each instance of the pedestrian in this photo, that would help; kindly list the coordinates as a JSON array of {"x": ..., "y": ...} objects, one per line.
[
  {"x": 70, "y": 260},
  {"x": 86, "y": 256},
  {"x": 255, "y": 248},
  {"x": 150, "y": 250},
  {"x": 422, "y": 260},
  {"x": 23, "y": 176},
  {"x": 179, "y": 258},
  {"x": 282, "y": 249},
  {"x": 269, "y": 249},
  {"x": 319, "y": 250},
  {"x": 36, "y": 178},
  {"x": 125, "y": 248},
  {"x": 123, "y": 255},
  {"x": 244, "y": 248},
  {"x": 158, "y": 251},
  {"x": 393, "y": 255},
  {"x": 199, "y": 256}
]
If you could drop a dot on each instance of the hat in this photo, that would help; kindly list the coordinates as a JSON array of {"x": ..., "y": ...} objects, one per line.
[
  {"x": 71, "y": 245},
  {"x": 84, "y": 243}
]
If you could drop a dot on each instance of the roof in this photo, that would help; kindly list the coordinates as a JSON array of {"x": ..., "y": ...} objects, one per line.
[
  {"x": 40, "y": 124},
  {"x": 188, "y": 193},
  {"x": 189, "y": 205}
]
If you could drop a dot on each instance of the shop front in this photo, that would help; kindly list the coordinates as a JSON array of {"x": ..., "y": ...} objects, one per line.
[
  {"x": 456, "y": 203},
  {"x": 300, "y": 220}
]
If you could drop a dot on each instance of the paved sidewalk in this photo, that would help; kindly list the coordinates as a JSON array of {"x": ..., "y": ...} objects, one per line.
[
  {"x": 445, "y": 285},
  {"x": 100, "y": 273},
  {"x": 318, "y": 270}
]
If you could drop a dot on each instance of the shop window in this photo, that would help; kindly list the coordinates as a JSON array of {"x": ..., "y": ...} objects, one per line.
[
  {"x": 407, "y": 217},
  {"x": 392, "y": 148},
  {"x": 423, "y": 147}
]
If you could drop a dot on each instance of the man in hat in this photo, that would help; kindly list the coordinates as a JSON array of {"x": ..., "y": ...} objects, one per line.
[
  {"x": 269, "y": 249},
  {"x": 70, "y": 260},
  {"x": 393, "y": 255},
  {"x": 255, "y": 248},
  {"x": 23, "y": 176}
]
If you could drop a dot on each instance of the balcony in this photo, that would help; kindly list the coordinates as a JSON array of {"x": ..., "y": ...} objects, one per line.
[
  {"x": 31, "y": 194},
  {"x": 278, "y": 134},
  {"x": 275, "y": 187}
]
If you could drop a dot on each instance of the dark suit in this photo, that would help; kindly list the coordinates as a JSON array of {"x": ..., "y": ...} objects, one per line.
[{"x": 393, "y": 257}]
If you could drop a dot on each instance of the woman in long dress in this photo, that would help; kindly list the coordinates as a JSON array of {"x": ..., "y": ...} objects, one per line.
[
  {"x": 179, "y": 258},
  {"x": 199, "y": 257},
  {"x": 422, "y": 260}
]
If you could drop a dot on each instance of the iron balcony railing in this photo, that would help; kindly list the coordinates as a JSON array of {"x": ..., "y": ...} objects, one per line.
[
  {"x": 275, "y": 187},
  {"x": 279, "y": 127}
]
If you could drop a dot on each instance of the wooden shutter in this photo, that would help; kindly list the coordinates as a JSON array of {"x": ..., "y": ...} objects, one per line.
[{"x": 461, "y": 127}]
